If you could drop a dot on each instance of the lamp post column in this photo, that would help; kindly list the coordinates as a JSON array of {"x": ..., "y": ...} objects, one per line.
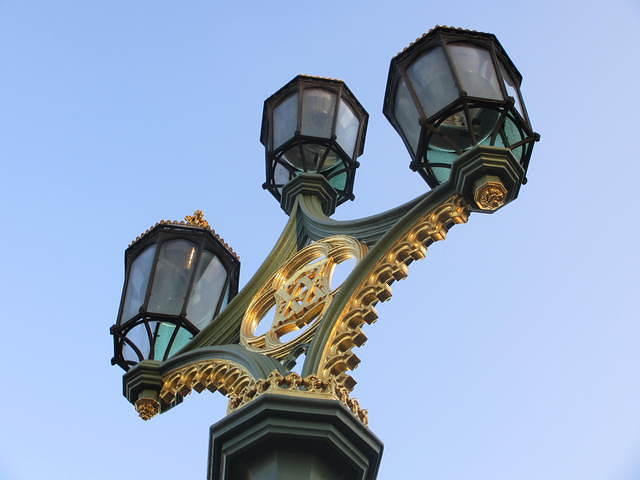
[{"x": 289, "y": 437}]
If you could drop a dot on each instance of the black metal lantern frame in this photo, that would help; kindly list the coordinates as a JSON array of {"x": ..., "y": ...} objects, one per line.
[
  {"x": 137, "y": 333},
  {"x": 452, "y": 129},
  {"x": 308, "y": 153}
]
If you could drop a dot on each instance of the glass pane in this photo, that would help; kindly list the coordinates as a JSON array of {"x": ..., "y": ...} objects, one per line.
[
  {"x": 171, "y": 279},
  {"x": 513, "y": 135},
  {"x": 163, "y": 336},
  {"x": 182, "y": 338},
  {"x": 339, "y": 182},
  {"x": 442, "y": 173},
  {"x": 317, "y": 112},
  {"x": 226, "y": 299},
  {"x": 407, "y": 116},
  {"x": 453, "y": 134},
  {"x": 511, "y": 88},
  {"x": 129, "y": 354},
  {"x": 207, "y": 289},
  {"x": 475, "y": 70},
  {"x": 140, "y": 338},
  {"x": 281, "y": 174},
  {"x": 331, "y": 161},
  {"x": 305, "y": 157},
  {"x": 432, "y": 81},
  {"x": 285, "y": 120},
  {"x": 347, "y": 126},
  {"x": 137, "y": 284}
]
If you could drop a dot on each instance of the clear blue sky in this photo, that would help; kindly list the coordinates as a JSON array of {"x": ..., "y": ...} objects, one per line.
[{"x": 511, "y": 352}]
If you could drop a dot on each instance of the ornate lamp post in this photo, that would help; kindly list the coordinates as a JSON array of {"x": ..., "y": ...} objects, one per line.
[{"x": 454, "y": 97}]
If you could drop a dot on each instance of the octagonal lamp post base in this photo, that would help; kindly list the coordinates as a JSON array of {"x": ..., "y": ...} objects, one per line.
[{"x": 282, "y": 437}]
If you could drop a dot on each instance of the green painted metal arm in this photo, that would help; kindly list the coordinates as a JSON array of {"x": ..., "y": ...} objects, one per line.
[
  {"x": 226, "y": 327},
  {"x": 369, "y": 230},
  {"x": 397, "y": 230},
  {"x": 260, "y": 366}
]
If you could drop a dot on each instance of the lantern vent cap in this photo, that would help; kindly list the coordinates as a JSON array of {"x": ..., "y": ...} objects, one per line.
[{"x": 197, "y": 220}]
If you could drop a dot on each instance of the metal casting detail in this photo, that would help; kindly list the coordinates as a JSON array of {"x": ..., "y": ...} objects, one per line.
[
  {"x": 490, "y": 193},
  {"x": 225, "y": 376},
  {"x": 197, "y": 219},
  {"x": 294, "y": 384},
  {"x": 147, "y": 408},
  {"x": 337, "y": 356},
  {"x": 235, "y": 382},
  {"x": 301, "y": 292}
]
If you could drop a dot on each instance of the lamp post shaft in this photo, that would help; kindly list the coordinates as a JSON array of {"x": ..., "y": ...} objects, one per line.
[{"x": 286, "y": 437}]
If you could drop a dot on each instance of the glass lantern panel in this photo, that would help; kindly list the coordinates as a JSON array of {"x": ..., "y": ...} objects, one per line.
[
  {"x": 140, "y": 338},
  {"x": 512, "y": 89},
  {"x": 339, "y": 181},
  {"x": 512, "y": 135},
  {"x": 225, "y": 299},
  {"x": 336, "y": 180},
  {"x": 305, "y": 157},
  {"x": 176, "y": 263},
  {"x": 347, "y": 126},
  {"x": 442, "y": 174},
  {"x": 433, "y": 81},
  {"x": 207, "y": 288},
  {"x": 452, "y": 134},
  {"x": 407, "y": 116},
  {"x": 137, "y": 283},
  {"x": 182, "y": 338},
  {"x": 331, "y": 161},
  {"x": 129, "y": 354},
  {"x": 475, "y": 71},
  {"x": 285, "y": 120},
  {"x": 318, "y": 106},
  {"x": 164, "y": 331}
]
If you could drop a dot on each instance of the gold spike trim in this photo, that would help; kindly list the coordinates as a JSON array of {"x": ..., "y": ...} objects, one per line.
[{"x": 337, "y": 357}]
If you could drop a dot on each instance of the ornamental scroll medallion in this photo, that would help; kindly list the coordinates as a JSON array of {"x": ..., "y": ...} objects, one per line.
[{"x": 301, "y": 292}]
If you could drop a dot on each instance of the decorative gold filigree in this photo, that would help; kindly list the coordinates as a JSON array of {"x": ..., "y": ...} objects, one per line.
[
  {"x": 225, "y": 376},
  {"x": 337, "y": 356},
  {"x": 147, "y": 408},
  {"x": 489, "y": 193},
  {"x": 197, "y": 219},
  {"x": 236, "y": 383},
  {"x": 301, "y": 292},
  {"x": 294, "y": 384}
]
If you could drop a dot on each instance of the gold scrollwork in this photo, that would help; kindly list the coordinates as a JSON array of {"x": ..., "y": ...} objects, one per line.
[
  {"x": 301, "y": 292},
  {"x": 236, "y": 383},
  {"x": 337, "y": 356},
  {"x": 225, "y": 376},
  {"x": 296, "y": 385}
]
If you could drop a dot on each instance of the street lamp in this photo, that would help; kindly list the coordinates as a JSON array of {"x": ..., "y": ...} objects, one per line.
[
  {"x": 454, "y": 97},
  {"x": 452, "y": 90},
  {"x": 179, "y": 275},
  {"x": 313, "y": 125}
]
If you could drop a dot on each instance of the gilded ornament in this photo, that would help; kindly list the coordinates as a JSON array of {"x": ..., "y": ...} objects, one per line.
[
  {"x": 489, "y": 193},
  {"x": 337, "y": 356},
  {"x": 197, "y": 219},
  {"x": 301, "y": 292},
  {"x": 147, "y": 408},
  {"x": 236, "y": 383}
]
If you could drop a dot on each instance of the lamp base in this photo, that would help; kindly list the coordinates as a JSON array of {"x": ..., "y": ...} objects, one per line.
[{"x": 288, "y": 437}]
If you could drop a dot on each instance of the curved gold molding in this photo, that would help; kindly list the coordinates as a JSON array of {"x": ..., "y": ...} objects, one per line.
[
  {"x": 296, "y": 385},
  {"x": 346, "y": 333},
  {"x": 301, "y": 292},
  {"x": 225, "y": 376},
  {"x": 236, "y": 383}
]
